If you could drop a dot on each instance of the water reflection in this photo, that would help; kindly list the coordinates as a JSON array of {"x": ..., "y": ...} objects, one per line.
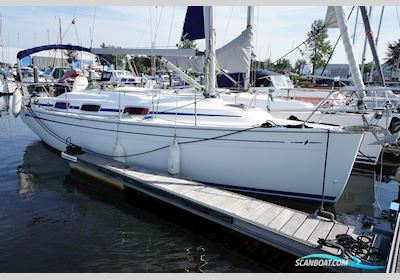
[
  {"x": 358, "y": 197},
  {"x": 88, "y": 227},
  {"x": 5, "y": 104}
]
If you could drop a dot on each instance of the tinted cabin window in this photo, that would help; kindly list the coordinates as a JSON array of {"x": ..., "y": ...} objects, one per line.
[
  {"x": 61, "y": 105},
  {"x": 105, "y": 76},
  {"x": 136, "y": 110},
  {"x": 90, "y": 107}
]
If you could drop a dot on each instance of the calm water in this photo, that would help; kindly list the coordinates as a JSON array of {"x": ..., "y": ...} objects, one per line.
[{"x": 52, "y": 220}]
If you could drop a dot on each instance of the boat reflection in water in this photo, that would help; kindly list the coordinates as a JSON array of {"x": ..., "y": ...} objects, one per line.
[
  {"x": 88, "y": 227},
  {"x": 5, "y": 103}
]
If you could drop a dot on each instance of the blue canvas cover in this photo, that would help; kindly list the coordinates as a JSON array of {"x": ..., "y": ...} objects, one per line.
[{"x": 28, "y": 52}]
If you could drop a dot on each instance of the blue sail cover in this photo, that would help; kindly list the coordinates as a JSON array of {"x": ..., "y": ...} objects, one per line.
[
  {"x": 27, "y": 52},
  {"x": 193, "y": 27}
]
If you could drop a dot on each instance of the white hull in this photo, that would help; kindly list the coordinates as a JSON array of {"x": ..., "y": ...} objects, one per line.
[
  {"x": 276, "y": 161},
  {"x": 280, "y": 108}
]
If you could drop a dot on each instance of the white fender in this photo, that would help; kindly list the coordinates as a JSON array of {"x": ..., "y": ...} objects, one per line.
[
  {"x": 16, "y": 102},
  {"x": 119, "y": 152},
  {"x": 80, "y": 83},
  {"x": 174, "y": 158}
]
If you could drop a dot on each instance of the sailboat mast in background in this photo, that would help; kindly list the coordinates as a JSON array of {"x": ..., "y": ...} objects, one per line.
[
  {"x": 341, "y": 22},
  {"x": 250, "y": 24},
  {"x": 368, "y": 34}
]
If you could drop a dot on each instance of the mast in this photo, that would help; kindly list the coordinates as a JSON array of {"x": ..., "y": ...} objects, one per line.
[
  {"x": 1, "y": 39},
  {"x": 376, "y": 43},
  {"x": 355, "y": 25},
  {"x": 348, "y": 46},
  {"x": 210, "y": 51},
  {"x": 62, "y": 57},
  {"x": 365, "y": 46},
  {"x": 368, "y": 34},
  {"x": 250, "y": 23},
  {"x": 48, "y": 41}
]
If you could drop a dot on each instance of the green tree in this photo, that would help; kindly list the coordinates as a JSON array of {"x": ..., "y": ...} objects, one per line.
[
  {"x": 187, "y": 44},
  {"x": 143, "y": 64},
  {"x": 282, "y": 66},
  {"x": 71, "y": 55},
  {"x": 298, "y": 65},
  {"x": 318, "y": 47},
  {"x": 260, "y": 64},
  {"x": 393, "y": 52},
  {"x": 268, "y": 63},
  {"x": 117, "y": 59},
  {"x": 368, "y": 67}
]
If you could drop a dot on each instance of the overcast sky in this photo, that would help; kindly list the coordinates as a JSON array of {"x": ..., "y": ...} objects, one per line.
[{"x": 277, "y": 28}]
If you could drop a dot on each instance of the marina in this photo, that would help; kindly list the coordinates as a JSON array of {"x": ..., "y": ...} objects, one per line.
[{"x": 201, "y": 159}]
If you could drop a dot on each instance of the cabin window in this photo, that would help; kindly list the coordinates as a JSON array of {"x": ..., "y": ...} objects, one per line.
[
  {"x": 136, "y": 110},
  {"x": 61, "y": 105},
  {"x": 90, "y": 108},
  {"x": 105, "y": 76}
]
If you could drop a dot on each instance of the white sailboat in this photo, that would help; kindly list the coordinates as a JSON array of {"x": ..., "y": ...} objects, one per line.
[{"x": 211, "y": 141}]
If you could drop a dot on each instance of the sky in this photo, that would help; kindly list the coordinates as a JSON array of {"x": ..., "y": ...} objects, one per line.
[{"x": 277, "y": 29}]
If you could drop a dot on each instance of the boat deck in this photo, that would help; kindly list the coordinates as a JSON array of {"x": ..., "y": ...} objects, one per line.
[{"x": 290, "y": 230}]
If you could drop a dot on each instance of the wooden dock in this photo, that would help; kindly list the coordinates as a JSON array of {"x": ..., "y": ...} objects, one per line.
[{"x": 290, "y": 230}]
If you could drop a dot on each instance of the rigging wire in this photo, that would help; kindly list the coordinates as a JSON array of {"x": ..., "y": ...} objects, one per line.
[
  {"x": 76, "y": 32},
  {"x": 66, "y": 31},
  {"x": 74, "y": 23},
  {"x": 151, "y": 25},
  {"x": 307, "y": 40},
  {"x": 397, "y": 14},
  {"x": 336, "y": 43},
  {"x": 158, "y": 24},
  {"x": 227, "y": 26},
  {"x": 92, "y": 30},
  {"x": 170, "y": 26}
]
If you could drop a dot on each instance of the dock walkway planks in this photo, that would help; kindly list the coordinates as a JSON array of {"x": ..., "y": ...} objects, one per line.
[{"x": 289, "y": 230}]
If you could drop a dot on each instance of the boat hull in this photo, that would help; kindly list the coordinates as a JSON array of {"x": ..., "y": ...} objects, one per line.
[
  {"x": 368, "y": 154},
  {"x": 284, "y": 162}
]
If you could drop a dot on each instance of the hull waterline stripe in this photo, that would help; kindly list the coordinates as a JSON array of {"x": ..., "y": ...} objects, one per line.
[{"x": 273, "y": 192}]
